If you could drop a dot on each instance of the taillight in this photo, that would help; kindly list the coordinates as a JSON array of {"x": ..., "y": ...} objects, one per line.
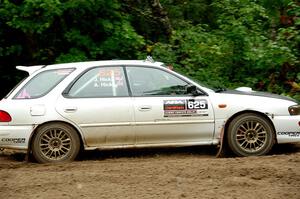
[{"x": 4, "y": 116}]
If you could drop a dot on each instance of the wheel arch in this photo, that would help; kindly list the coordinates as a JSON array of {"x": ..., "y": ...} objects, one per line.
[
  {"x": 264, "y": 115},
  {"x": 81, "y": 138}
]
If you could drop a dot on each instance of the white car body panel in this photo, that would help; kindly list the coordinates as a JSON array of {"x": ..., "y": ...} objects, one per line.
[
  {"x": 287, "y": 128},
  {"x": 15, "y": 137},
  {"x": 103, "y": 121},
  {"x": 135, "y": 121},
  {"x": 152, "y": 127}
]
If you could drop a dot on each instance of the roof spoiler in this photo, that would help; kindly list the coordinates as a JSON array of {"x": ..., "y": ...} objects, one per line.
[{"x": 30, "y": 69}]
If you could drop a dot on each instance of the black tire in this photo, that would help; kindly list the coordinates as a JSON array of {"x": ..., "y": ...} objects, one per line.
[
  {"x": 55, "y": 143},
  {"x": 250, "y": 134}
]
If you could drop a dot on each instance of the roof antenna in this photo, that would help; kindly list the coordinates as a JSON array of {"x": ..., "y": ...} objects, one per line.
[{"x": 150, "y": 59}]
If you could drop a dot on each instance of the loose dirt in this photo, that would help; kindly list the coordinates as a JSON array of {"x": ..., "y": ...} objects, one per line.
[{"x": 157, "y": 173}]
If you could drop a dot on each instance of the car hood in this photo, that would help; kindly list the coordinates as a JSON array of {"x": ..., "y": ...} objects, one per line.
[{"x": 260, "y": 94}]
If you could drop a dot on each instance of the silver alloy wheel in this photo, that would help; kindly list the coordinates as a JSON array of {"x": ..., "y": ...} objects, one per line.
[
  {"x": 251, "y": 136},
  {"x": 55, "y": 144}
]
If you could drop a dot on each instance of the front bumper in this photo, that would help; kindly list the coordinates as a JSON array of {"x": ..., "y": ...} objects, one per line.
[
  {"x": 287, "y": 128},
  {"x": 15, "y": 137}
]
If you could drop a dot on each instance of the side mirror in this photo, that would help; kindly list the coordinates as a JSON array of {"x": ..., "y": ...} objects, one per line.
[{"x": 192, "y": 89}]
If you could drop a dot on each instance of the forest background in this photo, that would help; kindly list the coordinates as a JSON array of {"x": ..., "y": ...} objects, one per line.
[{"x": 222, "y": 43}]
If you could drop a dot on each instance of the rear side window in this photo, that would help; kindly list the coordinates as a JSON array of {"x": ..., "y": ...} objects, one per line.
[
  {"x": 42, "y": 83},
  {"x": 100, "y": 82},
  {"x": 16, "y": 86}
]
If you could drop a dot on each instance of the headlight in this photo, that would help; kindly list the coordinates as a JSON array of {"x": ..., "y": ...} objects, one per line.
[{"x": 294, "y": 110}]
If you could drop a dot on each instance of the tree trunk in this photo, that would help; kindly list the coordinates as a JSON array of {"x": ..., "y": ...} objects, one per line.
[{"x": 159, "y": 13}]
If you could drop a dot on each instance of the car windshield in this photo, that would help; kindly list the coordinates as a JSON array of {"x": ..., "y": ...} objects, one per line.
[{"x": 42, "y": 83}]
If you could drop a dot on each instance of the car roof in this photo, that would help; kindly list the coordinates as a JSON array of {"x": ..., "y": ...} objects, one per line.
[{"x": 32, "y": 69}]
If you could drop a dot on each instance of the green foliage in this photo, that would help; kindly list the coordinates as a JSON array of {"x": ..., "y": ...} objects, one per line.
[
  {"x": 56, "y": 31},
  {"x": 223, "y": 43},
  {"x": 74, "y": 55},
  {"x": 241, "y": 47},
  {"x": 32, "y": 16},
  {"x": 48, "y": 31},
  {"x": 192, "y": 11}
]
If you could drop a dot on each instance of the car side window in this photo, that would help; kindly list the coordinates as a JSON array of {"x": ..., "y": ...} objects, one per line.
[
  {"x": 100, "y": 82},
  {"x": 42, "y": 83},
  {"x": 151, "y": 81}
]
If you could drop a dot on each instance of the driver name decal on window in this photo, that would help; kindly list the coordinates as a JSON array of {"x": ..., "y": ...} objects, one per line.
[
  {"x": 110, "y": 77},
  {"x": 185, "y": 108}
]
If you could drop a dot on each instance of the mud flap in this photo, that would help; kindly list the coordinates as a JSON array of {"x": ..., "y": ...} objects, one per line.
[
  {"x": 224, "y": 150},
  {"x": 28, "y": 156},
  {"x": 221, "y": 151}
]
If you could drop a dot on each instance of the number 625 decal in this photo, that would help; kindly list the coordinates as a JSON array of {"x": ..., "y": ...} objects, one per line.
[{"x": 197, "y": 104}]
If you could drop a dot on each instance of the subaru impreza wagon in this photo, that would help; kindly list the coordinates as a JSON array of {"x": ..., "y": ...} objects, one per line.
[{"x": 59, "y": 109}]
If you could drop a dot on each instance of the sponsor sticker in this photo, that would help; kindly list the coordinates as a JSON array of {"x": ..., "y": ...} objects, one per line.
[
  {"x": 185, "y": 108},
  {"x": 290, "y": 134},
  {"x": 13, "y": 140},
  {"x": 174, "y": 105}
]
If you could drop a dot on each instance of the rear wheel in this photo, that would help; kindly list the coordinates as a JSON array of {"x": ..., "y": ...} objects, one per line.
[
  {"x": 250, "y": 135},
  {"x": 54, "y": 143}
]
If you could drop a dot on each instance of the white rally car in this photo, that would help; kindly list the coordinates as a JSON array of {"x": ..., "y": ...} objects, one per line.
[{"x": 60, "y": 109}]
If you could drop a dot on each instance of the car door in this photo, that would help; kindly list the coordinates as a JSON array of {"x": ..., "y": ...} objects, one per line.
[
  {"x": 165, "y": 112},
  {"x": 99, "y": 103}
]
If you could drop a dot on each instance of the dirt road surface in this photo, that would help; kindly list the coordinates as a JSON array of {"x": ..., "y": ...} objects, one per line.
[{"x": 156, "y": 173}]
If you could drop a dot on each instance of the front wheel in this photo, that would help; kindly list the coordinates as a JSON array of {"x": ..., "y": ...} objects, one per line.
[
  {"x": 54, "y": 143},
  {"x": 250, "y": 135}
]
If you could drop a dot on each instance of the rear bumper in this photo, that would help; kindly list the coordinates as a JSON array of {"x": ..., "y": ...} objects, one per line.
[
  {"x": 15, "y": 137},
  {"x": 287, "y": 128}
]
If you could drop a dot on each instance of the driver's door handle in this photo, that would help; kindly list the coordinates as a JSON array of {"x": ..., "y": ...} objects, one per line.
[
  {"x": 70, "y": 109},
  {"x": 145, "y": 108}
]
